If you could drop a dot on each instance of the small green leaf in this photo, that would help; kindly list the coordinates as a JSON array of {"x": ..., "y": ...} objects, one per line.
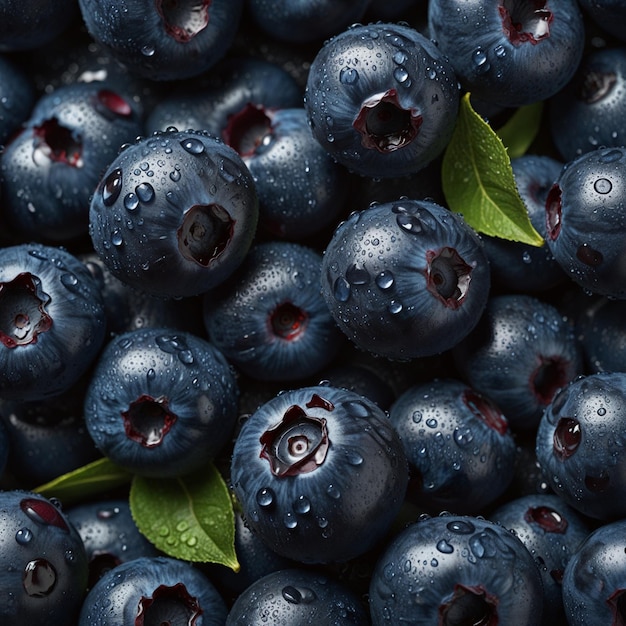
[
  {"x": 189, "y": 518},
  {"x": 478, "y": 181},
  {"x": 85, "y": 482},
  {"x": 521, "y": 129}
]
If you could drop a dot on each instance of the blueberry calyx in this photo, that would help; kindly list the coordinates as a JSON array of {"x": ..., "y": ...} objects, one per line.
[
  {"x": 205, "y": 233},
  {"x": 547, "y": 518},
  {"x": 566, "y": 439},
  {"x": 617, "y": 603},
  {"x": 384, "y": 124},
  {"x": 43, "y": 512},
  {"x": 247, "y": 129},
  {"x": 595, "y": 85},
  {"x": 298, "y": 444},
  {"x": 57, "y": 143},
  {"x": 469, "y": 605},
  {"x": 168, "y": 605},
  {"x": 525, "y": 21},
  {"x": 111, "y": 102},
  {"x": 148, "y": 420},
  {"x": 183, "y": 20},
  {"x": 24, "y": 314},
  {"x": 288, "y": 321},
  {"x": 39, "y": 578},
  {"x": 553, "y": 212},
  {"x": 548, "y": 377},
  {"x": 485, "y": 410},
  {"x": 448, "y": 276}
]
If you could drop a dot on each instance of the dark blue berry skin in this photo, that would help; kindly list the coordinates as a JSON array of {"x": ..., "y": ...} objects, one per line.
[
  {"x": 302, "y": 21},
  {"x": 382, "y": 99},
  {"x": 5, "y": 446},
  {"x": 29, "y": 24},
  {"x": 301, "y": 189},
  {"x": 520, "y": 267},
  {"x": 519, "y": 355},
  {"x": 50, "y": 169},
  {"x": 109, "y": 534},
  {"x": 153, "y": 590},
  {"x": 405, "y": 279},
  {"x": 602, "y": 336},
  {"x": 610, "y": 15},
  {"x": 456, "y": 570},
  {"x": 580, "y": 444},
  {"x": 52, "y": 321},
  {"x": 510, "y": 53},
  {"x": 174, "y": 214},
  {"x": 460, "y": 449},
  {"x": 269, "y": 319},
  {"x": 552, "y": 531},
  {"x": 237, "y": 89},
  {"x": 320, "y": 474},
  {"x": 589, "y": 111},
  {"x": 163, "y": 41},
  {"x": 48, "y": 437},
  {"x": 585, "y": 221},
  {"x": 17, "y": 97},
  {"x": 43, "y": 564},
  {"x": 298, "y": 597},
  {"x": 161, "y": 402},
  {"x": 595, "y": 578}
]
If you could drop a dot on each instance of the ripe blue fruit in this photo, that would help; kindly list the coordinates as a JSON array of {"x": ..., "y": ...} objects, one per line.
[
  {"x": 320, "y": 474},
  {"x": 405, "y": 279},
  {"x": 512, "y": 52},
  {"x": 269, "y": 319},
  {"x": 43, "y": 564},
  {"x": 580, "y": 444},
  {"x": 382, "y": 99},
  {"x": 456, "y": 570},
  {"x": 585, "y": 221},
  {"x": 161, "y": 402},
  {"x": 174, "y": 214}
]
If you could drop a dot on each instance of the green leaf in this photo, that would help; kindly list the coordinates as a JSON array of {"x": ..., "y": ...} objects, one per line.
[
  {"x": 521, "y": 129},
  {"x": 85, "y": 482},
  {"x": 478, "y": 181},
  {"x": 189, "y": 518}
]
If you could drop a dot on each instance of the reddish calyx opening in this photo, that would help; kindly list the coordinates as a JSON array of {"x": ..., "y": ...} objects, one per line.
[
  {"x": 567, "y": 437},
  {"x": 469, "y": 605},
  {"x": 448, "y": 276},
  {"x": 183, "y": 19},
  {"x": 546, "y": 518},
  {"x": 205, "y": 233},
  {"x": 525, "y": 20},
  {"x": 288, "y": 321},
  {"x": 58, "y": 143},
  {"x": 548, "y": 377},
  {"x": 246, "y": 130},
  {"x": 485, "y": 410},
  {"x": 384, "y": 125},
  {"x": 23, "y": 315},
  {"x": 168, "y": 606},
  {"x": 553, "y": 212},
  {"x": 147, "y": 420}
]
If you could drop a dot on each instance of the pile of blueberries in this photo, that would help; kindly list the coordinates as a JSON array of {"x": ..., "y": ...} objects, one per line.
[{"x": 224, "y": 239}]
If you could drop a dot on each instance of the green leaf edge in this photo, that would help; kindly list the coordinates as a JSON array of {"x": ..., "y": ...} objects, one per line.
[
  {"x": 521, "y": 130},
  {"x": 148, "y": 531},
  {"x": 99, "y": 472},
  {"x": 529, "y": 234}
]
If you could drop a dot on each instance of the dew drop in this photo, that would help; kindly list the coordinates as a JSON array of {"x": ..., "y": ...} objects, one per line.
[
  {"x": 333, "y": 492},
  {"x": 444, "y": 547},
  {"x": 192, "y": 145},
  {"x": 39, "y": 578},
  {"x": 302, "y": 505},
  {"x": 341, "y": 289},
  {"x": 348, "y": 76},
  {"x": 145, "y": 192},
  {"x": 603, "y": 185},
  {"x": 290, "y": 520},
  {"x": 394, "y": 307},
  {"x": 131, "y": 201},
  {"x": 385, "y": 279},
  {"x": 400, "y": 74},
  {"x": 461, "y": 527},
  {"x": 265, "y": 497},
  {"x": 147, "y": 50},
  {"x": 24, "y": 536},
  {"x": 116, "y": 237}
]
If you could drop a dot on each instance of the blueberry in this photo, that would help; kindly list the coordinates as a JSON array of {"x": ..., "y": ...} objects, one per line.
[
  {"x": 589, "y": 110},
  {"x": 51, "y": 168},
  {"x": 52, "y": 321},
  {"x": 552, "y": 531},
  {"x": 520, "y": 267},
  {"x": 232, "y": 104},
  {"x": 405, "y": 279},
  {"x": 298, "y": 597},
  {"x": 580, "y": 444},
  {"x": 109, "y": 535},
  {"x": 299, "y": 21},
  {"x": 162, "y": 40},
  {"x": 191, "y": 197},
  {"x": 17, "y": 97},
  {"x": 595, "y": 578},
  {"x": 43, "y": 565},
  {"x": 320, "y": 474},
  {"x": 269, "y": 319},
  {"x": 460, "y": 449},
  {"x": 584, "y": 220},
  {"x": 610, "y": 15},
  {"x": 153, "y": 590},
  {"x": 456, "y": 570},
  {"x": 161, "y": 402},
  {"x": 382, "y": 99},
  {"x": 519, "y": 355},
  {"x": 511, "y": 52}
]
